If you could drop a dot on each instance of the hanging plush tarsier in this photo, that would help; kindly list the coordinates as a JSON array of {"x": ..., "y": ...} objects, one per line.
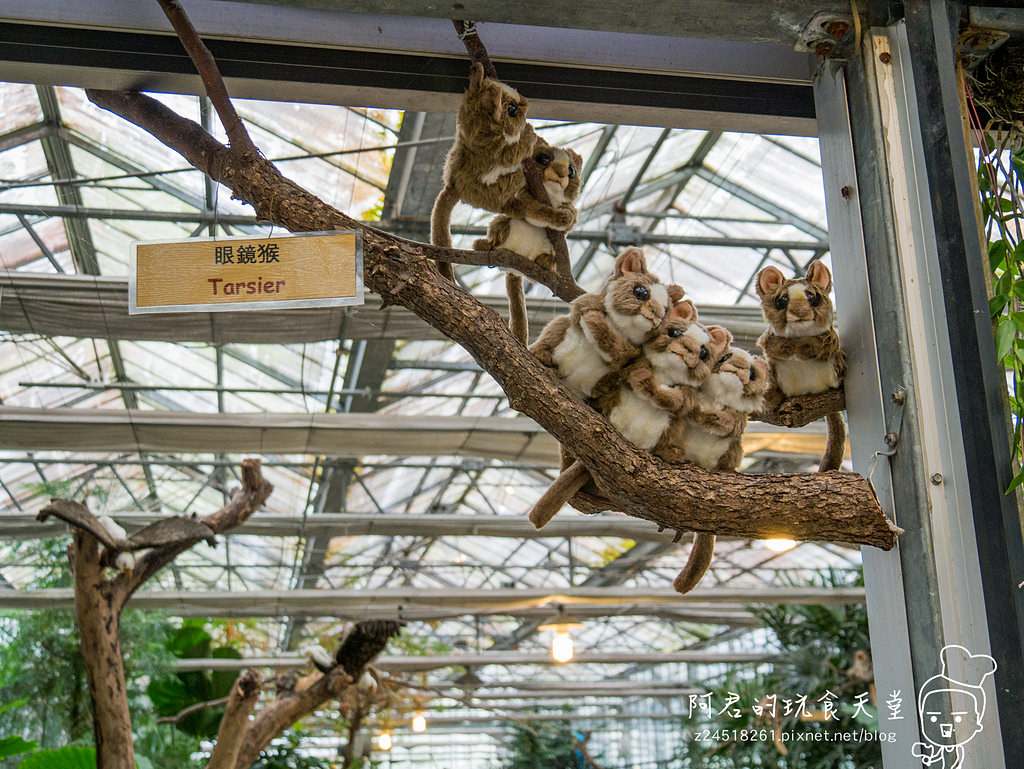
[
  {"x": 802, "y": 345},
  {"x": 484, "y": 165},
  {"x": 710, "y": 436},
  {"x": 604, "y": 331},
  {"x": 560, "y": 172},
  {"x": 641, "y": 399}
]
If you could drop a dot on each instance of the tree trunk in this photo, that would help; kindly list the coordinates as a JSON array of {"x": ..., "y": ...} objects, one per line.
[{"x": 98, "y": 612}]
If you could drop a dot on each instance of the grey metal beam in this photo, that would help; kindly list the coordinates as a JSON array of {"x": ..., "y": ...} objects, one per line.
[
  {"x": 416, "y": 63},
  {"x": 415, "y": 664}
]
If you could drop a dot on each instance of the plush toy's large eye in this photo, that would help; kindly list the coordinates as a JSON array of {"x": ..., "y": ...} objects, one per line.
[
  {"x": 814, "y": 299},
  {"x": 513, "y": 109},
  {"x": 572, "y": 172},
  {"x": 782, "y": 302},
  {"x": 675, "y": 333},
  {"x": 543, "y": 158},
  {"x": 724, "y": 358},
  {"x": 753, "y": 373},
  {"x": 642, "y": 293},
  {"x": 704, "y": 354}
]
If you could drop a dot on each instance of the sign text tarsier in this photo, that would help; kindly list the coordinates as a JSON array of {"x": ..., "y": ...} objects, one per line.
[{"x": 316, "y": 269}]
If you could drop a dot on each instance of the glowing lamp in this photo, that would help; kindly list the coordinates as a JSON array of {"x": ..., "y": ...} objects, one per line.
[
  {"x": 384, "y": 740},
  {"x": 561, "y": 642},
  {"x": 419, "y": 723},
  {"x": 779, "y": 545}
]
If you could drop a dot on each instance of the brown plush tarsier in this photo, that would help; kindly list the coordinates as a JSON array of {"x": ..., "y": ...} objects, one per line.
[
  {"x": 641, "y": 399},
  {"x": 710, "y": 436},
  {"x": 484, "y": 165},
  {"x": 560, "y": 169},
  {"x": 604, "y": 331},
  {"x": 802, "y": 345}
]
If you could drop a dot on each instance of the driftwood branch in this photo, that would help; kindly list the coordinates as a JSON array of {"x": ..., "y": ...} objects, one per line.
[
  {"x": 79, "y": 516},
  {"x": 467, "y": 33},
  {"x": 243, "y": 503},
  {"x": 359, "y": 647},
  {"x": 233, "y": 725},
  {"x": 832, "y": 506}
]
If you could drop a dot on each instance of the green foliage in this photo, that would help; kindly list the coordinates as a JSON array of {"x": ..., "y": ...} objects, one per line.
[
  {"x": 15, "y": 746},
  {"x": 62, "y": 758},
  {"x": 170, "y": 694},
  {"x": 542, "y": 747},
  {"x": 816, "y": 645},
  {"x": 1000, "y": 166}
]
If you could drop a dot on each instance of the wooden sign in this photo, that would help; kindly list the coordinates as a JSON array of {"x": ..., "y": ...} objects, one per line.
[{"x": 313, "y": 269}]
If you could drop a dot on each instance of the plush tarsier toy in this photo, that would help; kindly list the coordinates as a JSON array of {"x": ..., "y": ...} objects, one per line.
[
  {"x": 802, "y": 345},
  {"x": 641, "y": 399},
  {"x": 560, "y": 169},
  {"x": 604, "y": 331},
  {"x": 484, "y": 165},
  {"x": 710, "y": 436}
]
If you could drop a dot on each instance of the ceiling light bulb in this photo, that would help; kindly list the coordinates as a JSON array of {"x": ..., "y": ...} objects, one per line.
[
  {"x": 779, "y": 545},
  {"x": 384, "y": 741},
  {"x": 419, "y": 723},
  {"x": 561, "y": 646}
]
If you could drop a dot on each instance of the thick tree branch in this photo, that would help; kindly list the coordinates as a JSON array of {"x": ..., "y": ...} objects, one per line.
[
  {"x": 830, "y": 506},
  {"x": 235, "y": 722},
  {"x": 209, "y": 72}
]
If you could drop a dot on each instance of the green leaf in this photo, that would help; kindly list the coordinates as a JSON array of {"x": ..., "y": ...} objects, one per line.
[
  {"x": 1016, "y": 482},
  {"x": 15, "y": 745},
  {"x": 1004, "y": 286},
  {"x": 62, "y": 758},
  {"x": 1018, "y": 320},
  {"x": 141, "y": 762},
  {"x": 997, "y": 253},
  {"x": 996, "y": 305},
  {"x": 1005, "y": 334}
]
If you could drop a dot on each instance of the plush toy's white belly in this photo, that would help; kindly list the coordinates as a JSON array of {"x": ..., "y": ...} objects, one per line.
[
  {"x": 800, "y": 377},
  {"x": 702, "y": 448},
  {"x": 640, "y": 421},
  {"x": 579, "y": 362},
  {"x": 526, "y": 240}
]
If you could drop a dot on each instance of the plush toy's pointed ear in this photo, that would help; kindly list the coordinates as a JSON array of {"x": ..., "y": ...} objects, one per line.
[
  {"x": 720, "y": 336},
  {"x": 476, "y": 75},
  {"x": 684, "y": 310},
  {"x": 819, "y": 275},
  {"x": 769, "y": 279},
  {"x": 676, "y": 293},
  {"x": 630, "y": 260}
]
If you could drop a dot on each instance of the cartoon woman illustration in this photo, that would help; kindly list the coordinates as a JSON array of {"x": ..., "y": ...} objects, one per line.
[{"x": 951, "y": 709}]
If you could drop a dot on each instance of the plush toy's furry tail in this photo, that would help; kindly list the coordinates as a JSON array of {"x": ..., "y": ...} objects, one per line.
[
  {"x": 560, "y": 492},
  {"x": 835, "y": 447},
  {"x": 440, "y": 226},
  {"x": 697, "y": 564},
  {"x": 517, "y": 319}
]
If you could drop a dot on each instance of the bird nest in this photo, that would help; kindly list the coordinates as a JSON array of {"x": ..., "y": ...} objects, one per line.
[{"x": 997, "y": 86}]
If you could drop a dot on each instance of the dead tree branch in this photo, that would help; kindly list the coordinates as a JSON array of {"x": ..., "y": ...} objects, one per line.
[
  {"x": 829, "y": 506},
  {"x": 233, "y": 725}
]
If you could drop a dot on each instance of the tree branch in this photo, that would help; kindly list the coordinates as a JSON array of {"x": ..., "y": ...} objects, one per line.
[
  {"x": 800, "y": 410},
  {"x": 830, "y": 506},
  {"x": 235, "y": 722},
  {"x": 244, "y": 502},
  {"x": 467, "y": 33},
  {"x": 177, "y": 717},
  {"x": 361, "y": 644},
  {"x": 209, "y": 72}
]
